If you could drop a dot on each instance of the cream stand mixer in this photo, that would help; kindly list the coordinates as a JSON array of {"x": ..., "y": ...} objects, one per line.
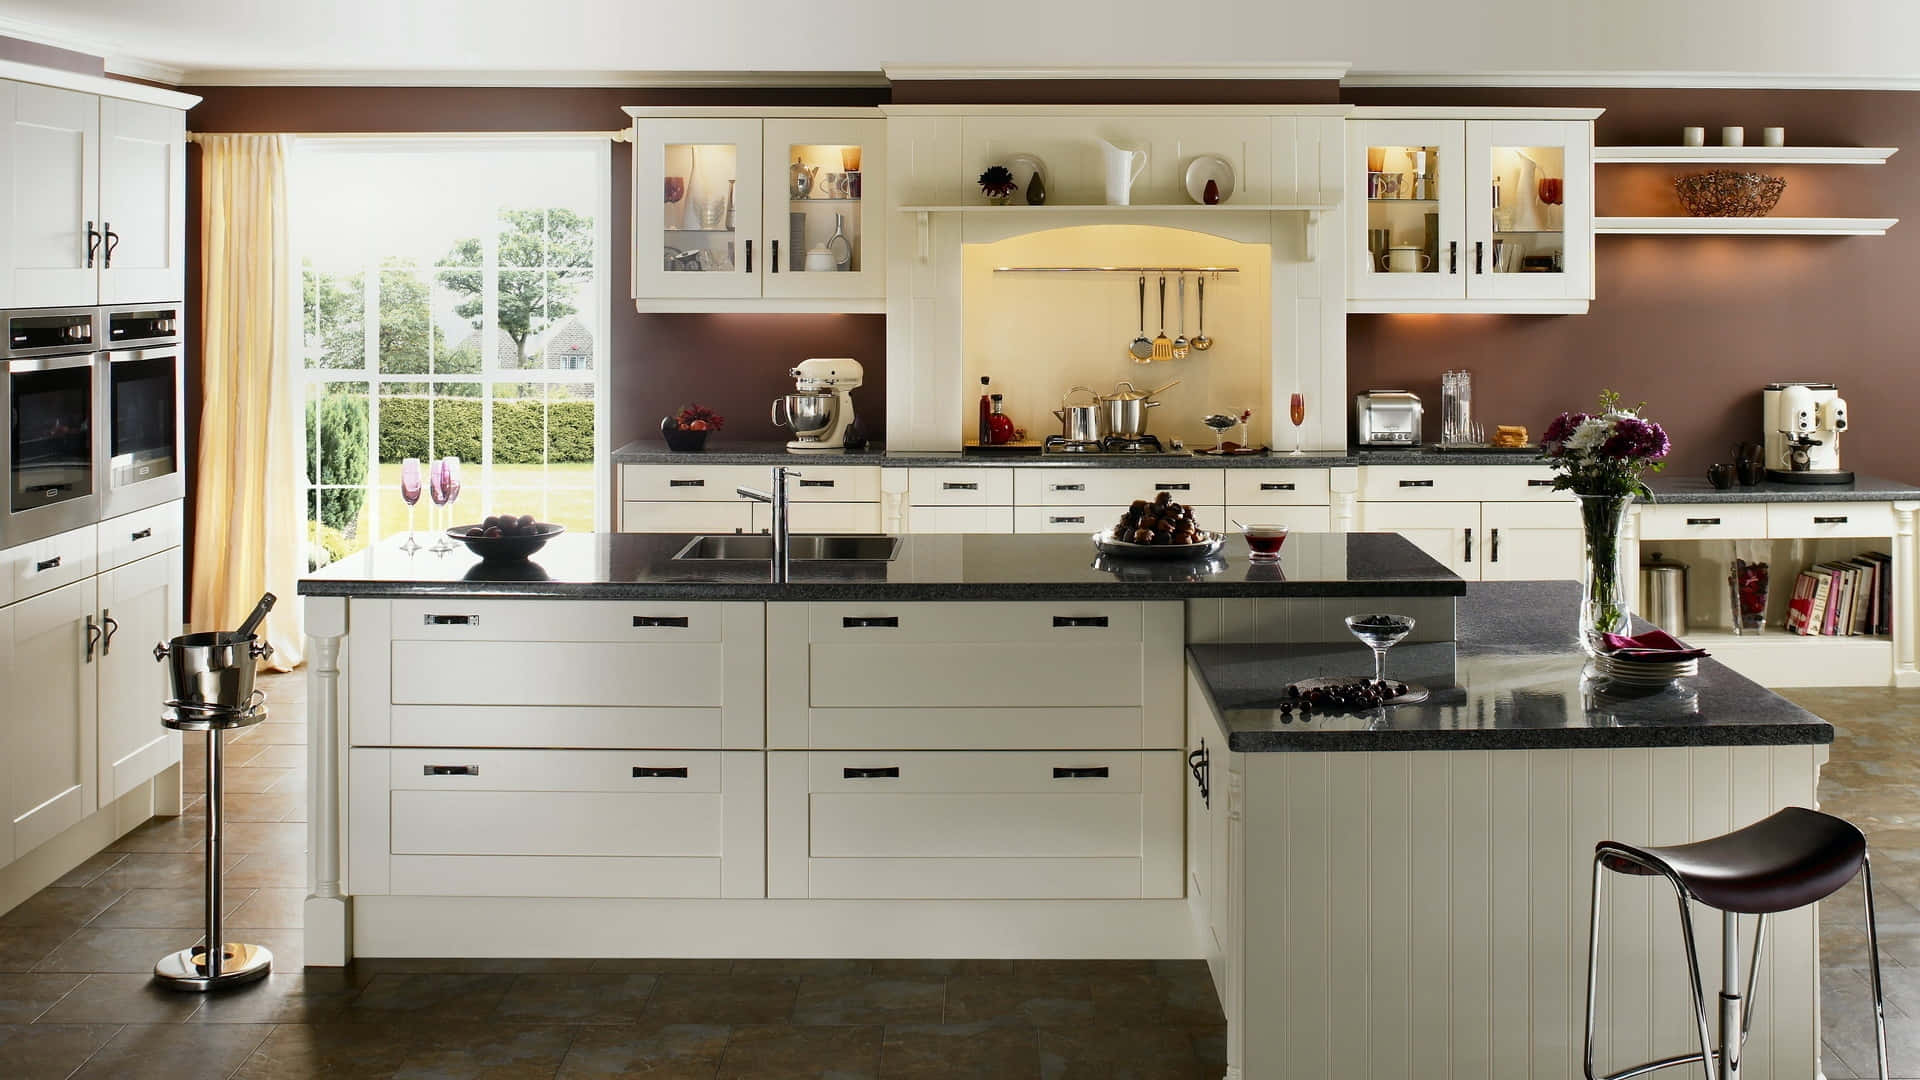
[{"x": 820, "y": 410}]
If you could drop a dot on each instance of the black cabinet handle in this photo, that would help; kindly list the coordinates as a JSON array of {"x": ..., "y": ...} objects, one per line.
[
  {"x": 1453, "y": 256},
  {"x": 1839, "y": 520},
  {"x": 1478, "y": 249},
  {"x": 112, "y": 625},
  {"x": 1077, "y": 520},
  {"x": 1200, "y": 764},
  {"x": 1173, "y": 487},
  {"x": 1079, "y": 620},
  {"x": 774, "y": 266},
  {"x": 1066, "y": 487},
  {"x": 885, "y": 772},
  {"x": 686, "y": 483},
  {"x": 45, "y": 565},
  {"x": 143, "y": 534},
  {"x": 93, "y": 244},
  {"x": 1276, "y": 487},
  {"x": 93, "y": 637},
  {"x": 944, "y": 486},
  {"x": 1493, "y": 545},
  {"x": 1703, "y": 521},
  {"x": 1416, "y": 483},
  {"x": 451, "y": 770},
  {"x": 749, "y": 256},
  {"x": 660, "y": 622},
  {"x": 1080, "y": 772},
  {"x": 1540, "y": 483},
  {"x": 870, "y": 622},
  {"x": 1469, "y": 557},
  {"x": 660, "y": 772},
  {"x": 453, "y": 620},
  {"x": 113, "y": 241},
  {"x": 817, "y": 483}
]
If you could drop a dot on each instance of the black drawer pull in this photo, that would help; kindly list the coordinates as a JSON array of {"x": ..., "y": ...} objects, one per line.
[
  {"x": 945, "y": 486},
  {"x": 1079, "y": 620},
  {"x": 1703, "y": 521},
  {"x": 1539, "y": 483},
  {"x": 686, "y": 483},
  {"x": 660, "y": 772},
  {"x": 143, "y": 534},
  {"x": 452, "y": 770},
  {"x": 870, "y": 622},
  {"x": 665, "y": 622},
  {"x": 1085, "y": 772},
  {"x": 816, "y": 483},
  {"x": 883, "y": 772},
  {"x": 1066, "y": 487},
  {"x": 46, "y": 564},
  {"x": 1078, "y": 519},
  {"x": 1173, "y": 487},
  {"x": 453, "y": 620},
  {"x": 1839, "y": 520},
  {"x": 1276, "y": 487},
  {"x": 1416, "y": 483}
]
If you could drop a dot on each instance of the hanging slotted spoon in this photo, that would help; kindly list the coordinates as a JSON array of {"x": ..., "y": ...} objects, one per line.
[
  {"x": 1163, "y": 345},
  {"x": 1201, "y": 341},
  {"x": 1181, "y": 344},
  {"x": 1142, "y": 346}
]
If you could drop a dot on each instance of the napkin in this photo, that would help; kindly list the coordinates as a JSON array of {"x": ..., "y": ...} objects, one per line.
[{"x": 1654, "y": 645}]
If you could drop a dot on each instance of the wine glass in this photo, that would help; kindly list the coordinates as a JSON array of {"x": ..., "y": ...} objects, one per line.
[
  {"x": 1379, "y": 633},
  {"x": 410, "y": 493},
  {"x": 1221, "y": 423},
  {"x": 437, "y": 491},
  {"x": 1297, "y": 412}
]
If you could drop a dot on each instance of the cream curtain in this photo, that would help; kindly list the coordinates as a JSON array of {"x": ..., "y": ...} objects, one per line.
[{"x": 246, "y": 512}]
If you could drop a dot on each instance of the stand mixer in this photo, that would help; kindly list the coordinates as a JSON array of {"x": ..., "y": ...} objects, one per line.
[
  {"x": 820, "y": 410},
  {"x": 1803, "y": 422}
]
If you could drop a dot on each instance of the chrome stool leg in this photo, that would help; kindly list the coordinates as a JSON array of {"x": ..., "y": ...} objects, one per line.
[{"x": 1873, "y": 968}]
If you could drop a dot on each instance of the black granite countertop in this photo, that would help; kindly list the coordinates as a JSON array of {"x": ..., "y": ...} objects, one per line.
[
  {"x": 654, "y": 452},
  {"x": 1516, "y": 680},
  {"x": 929, "y": 566},
  {"x": 1681, "y": 489}
]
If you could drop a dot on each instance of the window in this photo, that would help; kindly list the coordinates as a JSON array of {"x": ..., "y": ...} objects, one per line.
[{"x": 454, "y": 299}]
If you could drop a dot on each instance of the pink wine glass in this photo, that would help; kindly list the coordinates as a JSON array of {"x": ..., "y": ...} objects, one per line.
[
  {"x": 437, "y": 491},
  {"x": 410, "y": 488}
]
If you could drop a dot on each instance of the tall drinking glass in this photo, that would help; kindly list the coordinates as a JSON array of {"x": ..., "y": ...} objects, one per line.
[
  {"x": 1297, "y": 412},
  {"x": 437, "y": 491},
  {"x": 410, "y": 487}
]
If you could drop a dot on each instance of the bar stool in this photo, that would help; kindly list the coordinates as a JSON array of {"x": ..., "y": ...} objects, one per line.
[{"x": 1794, "y": 858}]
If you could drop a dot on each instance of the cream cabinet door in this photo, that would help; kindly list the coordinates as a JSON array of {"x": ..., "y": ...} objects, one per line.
[
  {"x": 843, "y": 210},
  {"x": 1531, "y": 542},
  {"x": 53, "y": 167},
  {"x": 140, "y": 605},
  {"x": 1537, "y": 244},
  {"x": 50, "y": 738},
  {"x": 143, "y": 181},
  {"x": 1409, "y": 175},
  {"x": 696, "y": 208},
  {"x": 1450, "y": 532}
]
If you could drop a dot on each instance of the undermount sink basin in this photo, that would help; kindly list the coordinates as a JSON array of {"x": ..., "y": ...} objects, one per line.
[{"x": 757, "y": 547}]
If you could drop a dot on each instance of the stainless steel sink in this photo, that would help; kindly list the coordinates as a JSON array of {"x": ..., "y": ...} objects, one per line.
[{"x": 755, "y": 547}]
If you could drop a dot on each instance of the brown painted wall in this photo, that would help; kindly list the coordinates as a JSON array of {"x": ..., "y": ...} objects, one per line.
[
  {"x": 1116, "y": 92},
  {"x": 32, "y": 52},
  {"x": 1696, "y": 325}
]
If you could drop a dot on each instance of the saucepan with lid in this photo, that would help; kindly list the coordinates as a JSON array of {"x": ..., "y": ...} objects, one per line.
[{"x": 1126, "y": 408}]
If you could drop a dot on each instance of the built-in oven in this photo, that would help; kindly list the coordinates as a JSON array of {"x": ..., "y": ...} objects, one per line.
[
  {"x": 140, "y": 401},
  {"x": 50, "y": 452}
]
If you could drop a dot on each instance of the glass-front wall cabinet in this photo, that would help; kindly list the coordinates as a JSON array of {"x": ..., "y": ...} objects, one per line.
[
  {"x": 758, "y": 208},
  {"x": 1471, "y": 210}
]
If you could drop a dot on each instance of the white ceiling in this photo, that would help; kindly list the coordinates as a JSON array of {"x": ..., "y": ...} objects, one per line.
[{"x": 589, "y": 41}]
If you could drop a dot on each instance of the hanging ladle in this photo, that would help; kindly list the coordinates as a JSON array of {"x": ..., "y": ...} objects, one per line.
[
  {"x": 1201, "y": 341},
  {"x": 1142, "y": 347}
]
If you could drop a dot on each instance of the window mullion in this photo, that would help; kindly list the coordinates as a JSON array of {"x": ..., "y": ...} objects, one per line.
[{"x": 370, "y": 335}]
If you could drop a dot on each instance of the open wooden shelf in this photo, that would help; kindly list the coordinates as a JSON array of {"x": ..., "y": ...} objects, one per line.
[
  {"x": 1777, "y": 658},
  {"x": 1677, "y": 225},
  {"x": 1743, "y": 155}
]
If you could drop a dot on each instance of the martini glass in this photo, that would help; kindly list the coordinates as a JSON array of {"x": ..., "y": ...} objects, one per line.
[
  {"x": 1379, "y": 633},
  {"x": 410, "y": 488}
]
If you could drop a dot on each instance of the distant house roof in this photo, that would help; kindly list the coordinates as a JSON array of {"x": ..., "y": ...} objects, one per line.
[
  {"x": 569, "y": 344},
  {"x": 505, "y": 355}
]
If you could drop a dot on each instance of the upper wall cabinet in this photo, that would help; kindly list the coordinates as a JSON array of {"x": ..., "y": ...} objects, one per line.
[
  {"x": 1471, "y": 214},
  {"x": 759, "y": 212},
  {"x": 95, "y": 199}
]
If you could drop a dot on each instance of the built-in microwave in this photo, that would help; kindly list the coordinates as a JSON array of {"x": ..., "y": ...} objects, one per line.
[
  {"x": 141, "y": 445},
  {"x": 50, "y": 453}
]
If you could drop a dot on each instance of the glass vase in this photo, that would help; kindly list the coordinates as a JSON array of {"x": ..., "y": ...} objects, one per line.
[{"x": 1603, "y": 580}]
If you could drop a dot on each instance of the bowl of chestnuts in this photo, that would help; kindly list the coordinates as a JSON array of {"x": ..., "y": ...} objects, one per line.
[{"x": 1160, "y": 529}]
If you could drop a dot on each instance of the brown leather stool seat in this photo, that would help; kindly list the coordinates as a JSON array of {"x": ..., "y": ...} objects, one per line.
[{"x": 1789, "y": 860}]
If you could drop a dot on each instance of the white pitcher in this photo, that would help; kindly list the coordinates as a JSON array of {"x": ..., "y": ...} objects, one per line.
[{"x": 1123, "y": 168}]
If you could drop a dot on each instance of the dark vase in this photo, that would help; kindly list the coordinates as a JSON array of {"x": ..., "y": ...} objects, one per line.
[{"x": 684, "y": 441}]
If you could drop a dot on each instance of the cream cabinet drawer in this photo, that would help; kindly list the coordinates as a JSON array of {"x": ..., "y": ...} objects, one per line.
[
  {"x": 821, "y": 517},
  {"x": 142, "y": 533},
  {"x": 1092, "y": 519},
  {"x": 959, "y": 519},
  {"x": 1116, "y": 487},
  {"x": 1703, "y": 521},
  {"x": 1296, "y": 518},
  {"x": 927, "y": 825},
  {"x": 1521, "y": 483},
  {"x": 687, "y": 517},
  {"x": 960, "y": 622},
  {"x": 1813, "y": 520},
  {"x": 40, "y": 566},
  {"x": 823, "y": 483},
  {"x": 1421, "y": 483},
  {"x": 651, "y": 622},
  {"x": 557, "y": 673},
  {"x": 960, "y": 487},
  {"x": 717, "y": 483},
  {"x": 1278, "y": 487}
]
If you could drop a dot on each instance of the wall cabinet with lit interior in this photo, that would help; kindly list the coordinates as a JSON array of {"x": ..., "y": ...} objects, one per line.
[
  {"x": 739, "y": 210},
  {"x": 1489, "y": 212}
]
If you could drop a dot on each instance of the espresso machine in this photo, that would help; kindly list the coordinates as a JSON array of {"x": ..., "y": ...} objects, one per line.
[
  {"x": 1803, "y": 422},
  {"x": 820, "y": 410}
]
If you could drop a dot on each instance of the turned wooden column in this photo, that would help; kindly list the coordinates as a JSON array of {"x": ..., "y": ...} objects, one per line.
[{"x": 328, "y": 910}]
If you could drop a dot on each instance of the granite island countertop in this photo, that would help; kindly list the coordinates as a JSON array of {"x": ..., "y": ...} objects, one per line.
[
  {"x": 929, "y": 566},
  {"x": 1516, "y": 680},
  {"x": 1684, "y": 490}
]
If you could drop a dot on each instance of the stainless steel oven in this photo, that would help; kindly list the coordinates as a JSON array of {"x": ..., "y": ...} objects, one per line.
[
  {"x": 50, "y": 453},
  {"x": 139, "y": 408}
]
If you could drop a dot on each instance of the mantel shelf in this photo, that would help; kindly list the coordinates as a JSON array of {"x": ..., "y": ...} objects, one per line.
[
  {"x": 1101, "y": 208},
  {"x": 1744, "y": 226},
  {"x": 1743, "y": 155}
]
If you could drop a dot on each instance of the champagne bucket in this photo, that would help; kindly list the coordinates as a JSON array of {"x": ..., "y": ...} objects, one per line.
[{"x": 213, "y": 671}]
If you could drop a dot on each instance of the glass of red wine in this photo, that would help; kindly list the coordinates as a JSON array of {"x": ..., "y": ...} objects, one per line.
[
  {"x": 1264, "y": 541},
  {"x": 1297, "y": 412}
]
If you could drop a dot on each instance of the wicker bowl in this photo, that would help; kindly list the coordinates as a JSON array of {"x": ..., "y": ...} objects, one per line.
[{"x": 1725, "y": 193}]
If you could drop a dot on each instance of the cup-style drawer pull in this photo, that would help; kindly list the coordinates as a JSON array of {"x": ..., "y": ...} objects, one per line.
[
  {"x": 143, "y": 534},
  {"x": 1079, "y": 620},
  {"x": 686, "y": 483},
  {"x": 1703, "y": 521},
  {"x": 870, "y": 622},
  {"x": 660, "y": 772},
  {"x": 44, "y": 565},
  {"x": 817, "y": 483},
  {"x": 1077, "y": 519},
  {"x": 661, "y": 622},
  {"x": 969, "y": 486},
  {"x": 1540, "y": 483},
  {"x": 1276, "y": 487},
  {"x": 1066, "y": 487},
  {"x": 1839, "y": 519},
  {"x": 1173, "y": 487},
  {"x": 453, "y": 620},
  {"x": 1416, "y": 483},
  {"x": 1080, "y": 772},
  {"x": 452, "y": 770},
  {"x": 884, "y": 772}
]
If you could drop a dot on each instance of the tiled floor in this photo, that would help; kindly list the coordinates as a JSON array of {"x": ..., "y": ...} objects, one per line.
[{"x": 76, "y": 998}]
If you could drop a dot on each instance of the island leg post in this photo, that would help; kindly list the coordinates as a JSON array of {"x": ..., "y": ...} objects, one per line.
[{"x": 328, "y": 910}]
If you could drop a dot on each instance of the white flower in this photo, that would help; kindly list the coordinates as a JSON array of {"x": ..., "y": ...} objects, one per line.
[{"x": 1590, "y": 434}]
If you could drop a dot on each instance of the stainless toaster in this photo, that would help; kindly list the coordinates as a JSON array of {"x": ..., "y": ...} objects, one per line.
[{"x": 1387, "y": 418}]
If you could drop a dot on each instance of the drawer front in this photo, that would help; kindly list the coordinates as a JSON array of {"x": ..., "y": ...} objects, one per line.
[
  {"x": 957, "y": 622},
  {"x": 142, "y": 533},
  {"x": 1116, "y": 487},
  {"x": 811, "y": 517},
  {"x": 1296, "y": 518},
  {"x": 1279, "y": 487},
  {"x": 1421, "y": 483},
  {"x": 1705, "y": 521},
  {"x": 1521, "y": 483},
  {"x": 581, "y": 727},
  {"x": 691, "y": 482},
  {"x": 1814, "y": 520},
  {"x": 621, "y": 773},
  {"x": 686, "y": 517},
  {"x": 960, "y": 487},
  {"x": 959, "y": 519},
  {"x": 454, "y": 618},
  {"x": 1090, "y": 824},
  {"x": 584, "y": 673},
  {"x": 1092, "y": 519},
  {"x": 44, "y": 565}
]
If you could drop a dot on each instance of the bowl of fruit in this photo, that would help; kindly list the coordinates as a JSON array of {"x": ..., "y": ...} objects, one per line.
[
  {"x": 1161, "y": 529},
  {"x": 505, "y": 537},
  {"x": 687, "y": 432}
]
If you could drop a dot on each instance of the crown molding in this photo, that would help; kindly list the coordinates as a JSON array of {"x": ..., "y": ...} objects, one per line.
[
  {"x": 571, "y": 78},
  {"x": 111, "y": 64},
  {"x": 1657, "y": 80},
  {"x": 95, "y": 84},
  {"x": 1192, "y": 72},
  {"x": 128, "y": 67}
]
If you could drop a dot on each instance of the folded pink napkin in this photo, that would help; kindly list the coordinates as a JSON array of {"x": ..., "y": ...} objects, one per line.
[{"x": 1652, "y": 645}]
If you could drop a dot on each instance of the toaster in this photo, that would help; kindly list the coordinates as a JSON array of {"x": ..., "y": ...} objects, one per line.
[{"x": 1387, "y": 418}]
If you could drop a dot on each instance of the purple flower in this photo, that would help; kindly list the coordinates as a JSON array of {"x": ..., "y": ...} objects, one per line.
[
  {"x": 1562, "y": 427},
  {"x": 1636, "y": 439}
]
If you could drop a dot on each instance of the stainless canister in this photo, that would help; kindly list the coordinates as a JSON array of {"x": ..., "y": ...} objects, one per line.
[{"x": 1663, "y": 593}]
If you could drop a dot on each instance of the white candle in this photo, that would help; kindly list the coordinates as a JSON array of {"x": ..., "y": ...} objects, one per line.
[
  {"x": 1733, "y": 136},
  {"x": 1774, "y": 136},
  {"x": 1693, "y": 136}
]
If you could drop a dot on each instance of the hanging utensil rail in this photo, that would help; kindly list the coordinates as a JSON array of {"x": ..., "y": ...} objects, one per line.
[{"x": 1116, "y": 270}]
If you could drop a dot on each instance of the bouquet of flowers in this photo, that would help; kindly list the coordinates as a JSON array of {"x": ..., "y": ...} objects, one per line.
[{"x": 1604, "y": 458}]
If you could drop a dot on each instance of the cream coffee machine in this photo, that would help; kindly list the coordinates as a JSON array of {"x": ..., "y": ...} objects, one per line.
[{"x": 1803, "y": 422}]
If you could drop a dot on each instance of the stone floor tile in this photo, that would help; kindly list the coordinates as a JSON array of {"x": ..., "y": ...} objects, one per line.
[
  {"x": 123, "y": 999},
  {"x": 758, "y": 1052},
  {"x": 23, "y": 997},
  {"x": 852, "y": 1000},
  {"x": 776, "y": 966},
  {"x": 657, "y": 1052},
  {"x": 71, "y": 908},
  {"x": 1123, "y": 1053},
  {"x": 274, "y": 756},
  {"x": 150, "y": 870},
  {"x": 1180, "y": 1001},
  {"x": 723, "y": 999},
  {"x": 254, "y": 781},
  {"x": 1040, "y": 1000},
  {"x": 88, "y": 871},
  {"x": 160, "y": 909},
  {"x": 462, "y": 965},
  {"x": 265, "y": 807},
  {"x": 348, "y": 1051},
  {"x": 664, "y": 966},
  {"x": 577, "y": 998},
  {"x": 494, "y": 1050},
  {"x": 293, "y": 996},
  {"x": 23, "y": 947},
  {"x": 274, "y": 909},
  {"x": 987, "y": 1051},
  {"x": 268, "y": 837},
  {"x": 174, "y": 1052},
  {"x": 942, "y": 967},
  {"x": 269, "y": 870},
  {"x": 429, "y": 998},
  {"x": 1088, "y": 968},
  {"x": 1833, "y": 1066},
  {"x": 49, "y": 1051},
  {"x": 117, "y": 949},
  {"x": 186, "y": 833}
]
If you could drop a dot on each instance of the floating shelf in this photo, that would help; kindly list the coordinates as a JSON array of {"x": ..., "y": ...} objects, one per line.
[
  {"x": 1743, "y": 155},
  {"x": 1137, "y": 208},
  {"x": 1742, "y": 226}
]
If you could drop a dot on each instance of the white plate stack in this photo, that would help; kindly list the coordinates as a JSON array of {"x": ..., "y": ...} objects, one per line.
[{"x": 1636, "y": 672}]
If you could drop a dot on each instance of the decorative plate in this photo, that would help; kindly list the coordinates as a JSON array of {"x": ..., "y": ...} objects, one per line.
[
  {"x": 1127, "y": 549},
  {"x": 1209, "y": 167}
]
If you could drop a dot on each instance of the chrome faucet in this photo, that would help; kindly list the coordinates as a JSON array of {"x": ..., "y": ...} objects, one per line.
[{"x": 777, "y": 499}]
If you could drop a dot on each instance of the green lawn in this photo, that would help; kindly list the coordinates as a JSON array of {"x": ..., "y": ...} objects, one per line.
[{"x": 558, "y": 493}]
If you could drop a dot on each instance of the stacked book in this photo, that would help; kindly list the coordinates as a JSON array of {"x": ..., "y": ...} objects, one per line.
[{"x": 1844, "y": 597}]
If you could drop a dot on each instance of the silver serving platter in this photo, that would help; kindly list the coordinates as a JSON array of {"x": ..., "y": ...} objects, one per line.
[{"x": 1127, "y": 549}]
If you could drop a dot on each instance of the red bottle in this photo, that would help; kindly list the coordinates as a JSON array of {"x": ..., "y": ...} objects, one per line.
[
  {"x": 985, "y": 437},
  {"x": 999, "y": 425}
]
